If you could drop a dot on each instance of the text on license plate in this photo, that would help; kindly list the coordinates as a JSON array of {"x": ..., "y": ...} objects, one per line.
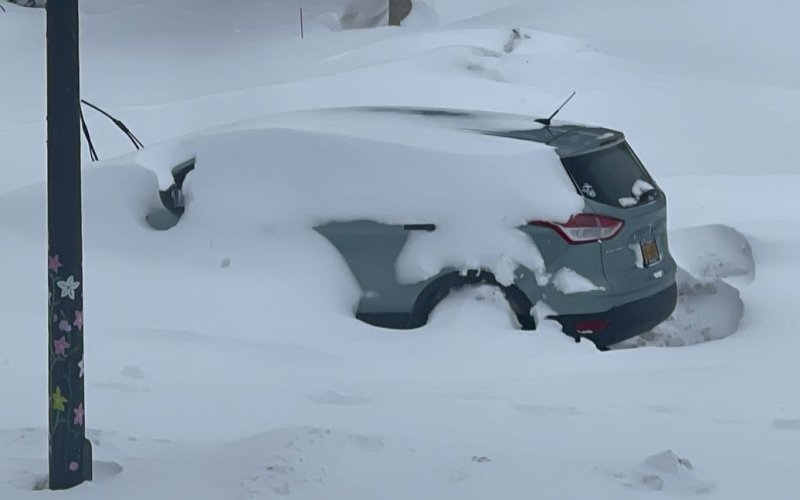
[{"x": 650, "y": 253}]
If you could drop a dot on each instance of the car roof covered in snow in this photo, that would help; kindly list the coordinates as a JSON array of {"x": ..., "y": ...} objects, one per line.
[
  {"x": 442, "y": 129},
  {"x": 568, "y": 139}
]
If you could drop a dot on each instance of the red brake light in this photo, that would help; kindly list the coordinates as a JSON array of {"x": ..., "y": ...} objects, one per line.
[
  {"x": 585, "y": 228},
  {"x": 591, "y": 326}
]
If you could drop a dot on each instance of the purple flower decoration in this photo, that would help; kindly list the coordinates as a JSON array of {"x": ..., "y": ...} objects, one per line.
[
  {"x": 61, "y": 346},
  {"x": 78, "y": 320},
  {"x": 54, "y": 263},
  {"x": 64, "y": 326},
  {"x": 79, "y": 414},
  {"x": 74, "y": 466}
]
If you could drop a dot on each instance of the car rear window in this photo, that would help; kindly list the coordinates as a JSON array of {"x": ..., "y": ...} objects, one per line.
[{"x": 607, "y": 175}]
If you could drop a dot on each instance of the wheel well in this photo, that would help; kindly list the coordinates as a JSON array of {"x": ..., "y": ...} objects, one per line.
[
  {"x": 172, "y": 199},
  {"x": 438, "y": 290}
]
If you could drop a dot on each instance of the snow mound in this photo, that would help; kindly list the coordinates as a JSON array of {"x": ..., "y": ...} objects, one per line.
[
  {"x": 474, "y": 306},
  {"x": 318, "y": 170},
  {"x": 423, "y": 14},
  {"x": 714, "y": 251},
  {"x": 713, "y": 258},
  {"x": 361, "y": 14},
  {"x": 665, "y": 472},
  {"x": 452, "y": 11},
  {"x": 707, "y": 310}
]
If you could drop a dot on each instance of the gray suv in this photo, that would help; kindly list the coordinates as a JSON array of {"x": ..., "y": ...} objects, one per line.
[{"x": 618, "y": 242}]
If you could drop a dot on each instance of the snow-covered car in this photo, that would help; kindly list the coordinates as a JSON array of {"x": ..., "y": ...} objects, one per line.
[{"x": 580, "y": 237}]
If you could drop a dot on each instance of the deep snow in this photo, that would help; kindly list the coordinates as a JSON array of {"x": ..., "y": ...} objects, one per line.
[{"x": 227, "y": 364}]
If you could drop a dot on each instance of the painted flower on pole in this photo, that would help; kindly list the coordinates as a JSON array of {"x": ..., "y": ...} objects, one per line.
[
  {"x": 60, "y": 346},
  {"x": 69, "y": 287},
  {"x": 78, "y": 415},
  {"x": 55, "y": 263},
  {"x": 67, "y": 412},
  {"x": 59, "y": 400}
]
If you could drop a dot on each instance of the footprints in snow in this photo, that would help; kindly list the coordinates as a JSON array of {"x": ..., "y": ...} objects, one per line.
[
  {"x": 533, "y": 410},
  {"x": 476, "y": 396},
  {"x": 550, "y": 411},
  {"x": 307, "y": 458},
  {"x": 129, "y": 372},
  {"x": 336, "y": 399},
  {"x": 331, "y": 398},
  {"x": 121, "y": 387},
  {"x": 108, "y": 441},
  {"x": 784, "y": 424},
  {"x": 132, "y": 372}
]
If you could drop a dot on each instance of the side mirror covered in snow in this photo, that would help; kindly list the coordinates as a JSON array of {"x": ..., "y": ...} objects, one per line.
[{"x": 173, "y": 199}]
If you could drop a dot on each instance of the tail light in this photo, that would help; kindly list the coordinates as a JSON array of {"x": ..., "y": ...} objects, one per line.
[
  {"x": 585, "y": 228},
  {"x": 591, "y": 326}
]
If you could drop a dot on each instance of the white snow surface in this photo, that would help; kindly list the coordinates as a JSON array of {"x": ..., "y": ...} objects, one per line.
[
  {"x": 308, "y": 169},
  {"x": 253, "y": 380}
]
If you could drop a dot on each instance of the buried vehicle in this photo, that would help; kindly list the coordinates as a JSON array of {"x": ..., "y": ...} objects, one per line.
[{"x": 606, "y": 275}]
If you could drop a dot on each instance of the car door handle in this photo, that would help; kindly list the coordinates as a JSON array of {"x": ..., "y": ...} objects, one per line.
[{"x": 420, "y": 227}]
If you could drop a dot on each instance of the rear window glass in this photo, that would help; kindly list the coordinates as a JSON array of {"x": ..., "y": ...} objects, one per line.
[{"x": 607, "y": 175}]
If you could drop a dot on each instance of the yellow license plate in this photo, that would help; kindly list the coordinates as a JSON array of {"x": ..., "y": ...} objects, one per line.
[{"x": 650, "y": 253}]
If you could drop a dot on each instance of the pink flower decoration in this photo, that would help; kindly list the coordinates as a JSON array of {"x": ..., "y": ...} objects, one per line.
[
  {"x": 74, "y": 466},
  {"x": 64, "y": 326},
  {"x": 78, "y": 320},
  {"x": 61, "y": 346},
  {"x": 79, "y": 414},
  {"x": 54, "y": 263}
]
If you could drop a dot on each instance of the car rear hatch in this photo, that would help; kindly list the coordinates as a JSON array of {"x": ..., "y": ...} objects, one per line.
[{"x": 615, "y": 184}]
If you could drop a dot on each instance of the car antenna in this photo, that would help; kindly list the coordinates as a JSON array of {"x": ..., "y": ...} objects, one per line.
[{"x": 546, "y": 121}]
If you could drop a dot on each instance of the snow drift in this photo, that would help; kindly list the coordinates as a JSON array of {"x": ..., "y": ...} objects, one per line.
[{"x": 279, "y": 172}]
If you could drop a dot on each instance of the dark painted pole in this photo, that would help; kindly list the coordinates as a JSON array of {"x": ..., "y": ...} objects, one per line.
[{"x": 70, "y": 452}]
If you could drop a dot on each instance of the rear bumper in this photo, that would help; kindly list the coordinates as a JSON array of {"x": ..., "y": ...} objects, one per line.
[{"x": 626, "y": 321}]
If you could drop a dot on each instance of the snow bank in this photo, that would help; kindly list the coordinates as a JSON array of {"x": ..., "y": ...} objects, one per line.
[
  {"x": 360, "y": 14},
  {"x": 715, "y": 251},
  {"x": 423, "y": 14}
]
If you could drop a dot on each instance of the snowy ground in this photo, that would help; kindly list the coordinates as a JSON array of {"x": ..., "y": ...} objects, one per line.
[{"x": 253, "y": 381}]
